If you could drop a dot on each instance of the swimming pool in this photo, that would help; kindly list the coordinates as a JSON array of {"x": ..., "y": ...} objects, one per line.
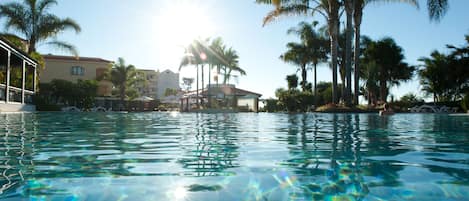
[{"x": 172, "y": 156}]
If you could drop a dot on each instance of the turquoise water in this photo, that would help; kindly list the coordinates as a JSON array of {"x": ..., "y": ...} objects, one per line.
[{"x": 172, "y": 156}]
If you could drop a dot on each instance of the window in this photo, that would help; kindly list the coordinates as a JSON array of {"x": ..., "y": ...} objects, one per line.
[
  {"x": 100, "y": 72},
  {"x": 78, "y": 70},
  {"x": 3, "y": 66}
]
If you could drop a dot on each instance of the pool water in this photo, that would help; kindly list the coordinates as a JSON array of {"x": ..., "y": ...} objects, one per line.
[{"x": 173, "y": 156}]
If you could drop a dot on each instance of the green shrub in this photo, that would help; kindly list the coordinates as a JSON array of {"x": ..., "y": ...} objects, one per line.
[{"x": 465, "y": 102}]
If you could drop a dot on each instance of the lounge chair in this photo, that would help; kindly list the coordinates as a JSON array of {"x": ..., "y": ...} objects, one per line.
[{"x": 425, "y": 109}]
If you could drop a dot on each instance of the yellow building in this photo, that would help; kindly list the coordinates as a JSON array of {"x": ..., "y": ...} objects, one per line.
[{"x": 72, "y": 69}]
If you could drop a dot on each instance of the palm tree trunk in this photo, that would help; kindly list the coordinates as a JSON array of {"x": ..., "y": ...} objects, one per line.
[
  {"x": 218, "y": 74},
  {"x": 369, "y": 97},
  {"x": 203, "y": 83},
  {"x": 315, "y": 79},
  {"x": 197, "y": 87},
  {"x": 122, "y": 96},
  {"x": 333, "y": 22},
  {"x": 225, "y": 75},
  {"x": 315, "y": 83},
  {"x": 358, "y": 12},
  {"x": 348, "y": 51},
  {"x": 382, "y": 90},
  {"x": 228, "y": 75},
  {"x": 209, "y": 87},
  {"x": 342, "y": 75},
  {"x": 32, "y": 45},
  {"x": 303, "y": 77}
]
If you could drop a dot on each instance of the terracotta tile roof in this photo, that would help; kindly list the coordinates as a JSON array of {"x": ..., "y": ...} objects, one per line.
[
  {"x": 59, "y": 57},
  {"x": 242, "y": 91},
  {"x": 225, "y": 90}
]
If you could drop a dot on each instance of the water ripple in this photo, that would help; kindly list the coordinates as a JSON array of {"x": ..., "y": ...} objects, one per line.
[{"x": 111, "y": 156}]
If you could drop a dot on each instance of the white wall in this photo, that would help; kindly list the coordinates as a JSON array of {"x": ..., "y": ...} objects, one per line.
[{"x": 167, "y": 79}]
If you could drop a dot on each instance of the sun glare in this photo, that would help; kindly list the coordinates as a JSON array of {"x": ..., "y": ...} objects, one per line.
[
  {"x": 182, "y": 22},
  {"x": 179, "y": 193}
]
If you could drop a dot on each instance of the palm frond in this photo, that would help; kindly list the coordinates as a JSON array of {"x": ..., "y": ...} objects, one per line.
[
  {"x": 288, "y": 10},
  {"x": 16, "y": 40},
  {"x": 437, "y": 9},
  {"x": 414, "y": 3},
  {"x": 45, "y": 4},
  {"x": 15, "y": 17},
  {"x": 64, "y": 46}
]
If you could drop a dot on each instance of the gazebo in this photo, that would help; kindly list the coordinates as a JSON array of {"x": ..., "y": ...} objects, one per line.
[
  {"x": 17, "y": 79},
  {"x": 220, "y": 97}
]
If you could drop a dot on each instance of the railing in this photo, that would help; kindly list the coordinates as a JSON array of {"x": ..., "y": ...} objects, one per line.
[
  {"x": 2, "y": 92},
  {"x": 15, "y": 94},
  {"x": 28, "y": 97}
]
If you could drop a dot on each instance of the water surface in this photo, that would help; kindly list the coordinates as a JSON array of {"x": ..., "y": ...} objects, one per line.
[{"x": 172, "y": 156}]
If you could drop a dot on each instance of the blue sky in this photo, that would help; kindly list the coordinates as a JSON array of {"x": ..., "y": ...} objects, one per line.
[{"x": 145, "y": 33}]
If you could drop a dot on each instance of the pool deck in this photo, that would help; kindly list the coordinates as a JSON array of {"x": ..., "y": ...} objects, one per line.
[{"x": 16, "y": 107}]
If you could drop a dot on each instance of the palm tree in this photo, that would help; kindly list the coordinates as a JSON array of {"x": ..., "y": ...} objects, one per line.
[
  {"x": 436, "y": 10},
  {"x": 358, "y": 7},
  {"x": 215, "y": 55},
  {"x": 298, "y": 54},
  {"x": 387, "y": 57},
  {"x": 192, "y": 57},
  {"x": 327, "y": 8},
  {"x": 348, "y": 51},
  {"x": 32, "y": 20},
  {"x": 231, "y": 64},
  {"x": 201, "y": 48},
  {"x": 124, "y": 77},
  {"x": 213, "y": 60},
  {"x": 316, "y": 45},
  {"x": 434, "y": 77}
]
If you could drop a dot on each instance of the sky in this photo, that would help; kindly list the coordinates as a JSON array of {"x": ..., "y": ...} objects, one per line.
[{"x": 150, "y": 34}]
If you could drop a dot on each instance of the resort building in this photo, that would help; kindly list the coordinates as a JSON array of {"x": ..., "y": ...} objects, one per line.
[
  {"x": 149, "y": 87},
  {"x": 76, "y": 68},
  {"x": 222, "y": 97},
  {"x": 17, "y": 79},
  {"x": 157, "y": 82},
  {"x": 167, "y": 80}
]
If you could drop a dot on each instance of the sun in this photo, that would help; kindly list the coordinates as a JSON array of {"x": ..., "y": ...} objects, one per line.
[{"x": 181, "y": 22}]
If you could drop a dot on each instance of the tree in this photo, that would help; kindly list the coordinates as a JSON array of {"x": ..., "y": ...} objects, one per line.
[
  {"x": 187, "y": 83},
  {"x": 327, "y": 8},
  {"x": 294, "y": 100},
  {"x": 124, "y": 77},
  {"x": 192, "y": 57},
  {"x": 411, "y": 98},
  {"x": 460, "y": 67},
  {"x": 446, "y": 76},
  {"x": 231, "y": 64},
  {"x": 32, "y": 20},
  {"x": 313, "y": 50},
  {"x": 199, "y": 52},
  {"x": 349, "y": 4},
  {"x": 358, "y": 6},
  {"x": 217, "y": 48},
  {"x": 292, "y": 81},
  {"x": 434, "y": 76},
  {"x": 385, "y": 59},
  {"x": 298, "y": 54},
  {"x": 62, "y": 92},
  {"x": 85, "y": 93},
  {"x": 170, "y": 92}
]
